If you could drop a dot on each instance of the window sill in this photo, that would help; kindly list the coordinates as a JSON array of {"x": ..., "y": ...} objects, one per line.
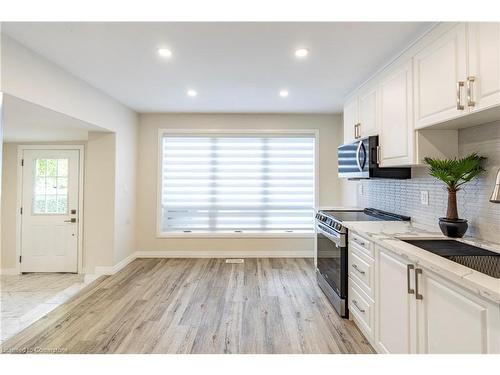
[{"x": 236, "y": 235}]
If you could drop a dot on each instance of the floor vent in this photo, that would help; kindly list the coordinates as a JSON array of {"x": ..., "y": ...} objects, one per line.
[{"x": 234, "y": 260}]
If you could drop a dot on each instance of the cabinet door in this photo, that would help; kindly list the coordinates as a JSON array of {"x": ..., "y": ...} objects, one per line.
[
  {"x": 350, "y": 119},
  {"x": 484, "y": 65},
  {"x": 395, "y": 327},
  {"x": 451, "y": 320},
  {"x": 439, "y": 67},
  {"x": 396, "y": 124},
  {"x": 368, "y": 112}
]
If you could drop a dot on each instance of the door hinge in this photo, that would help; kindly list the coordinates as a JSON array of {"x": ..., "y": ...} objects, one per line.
[
  {"x": 20, "y": 257},
  {"x": 21, "y": 210},
  {"x": 22, "y": 162}
]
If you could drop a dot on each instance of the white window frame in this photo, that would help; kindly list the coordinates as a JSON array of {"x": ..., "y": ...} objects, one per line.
[{"x": 221, "y": 132}]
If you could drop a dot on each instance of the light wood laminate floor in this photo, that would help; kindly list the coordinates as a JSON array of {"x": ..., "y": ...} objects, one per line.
[{"x": 197, "y": 306}]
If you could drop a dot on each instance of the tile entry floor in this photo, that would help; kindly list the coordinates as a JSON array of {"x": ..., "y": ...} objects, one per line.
[{"x": 26, "y": 298}]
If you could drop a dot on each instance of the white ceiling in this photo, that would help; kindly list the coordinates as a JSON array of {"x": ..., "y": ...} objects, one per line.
[
  {"x": 235, "y": 67},
  {"x": 28, "y": 122}
]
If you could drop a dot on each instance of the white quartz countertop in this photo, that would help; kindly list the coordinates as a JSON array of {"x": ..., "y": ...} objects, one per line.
[{"x": 388, "y": 234}]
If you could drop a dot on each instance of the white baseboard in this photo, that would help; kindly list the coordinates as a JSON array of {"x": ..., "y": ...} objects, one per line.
[
  {"x": 111, "y": 270},
  {"x": 8, "y": 271},
  {"x": 226, "y": 254}
]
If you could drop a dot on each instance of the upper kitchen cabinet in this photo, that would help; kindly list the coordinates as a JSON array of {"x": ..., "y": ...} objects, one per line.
[
  {"x": 456, "y": 74},
  {"x": 440, "y": 78},
  {"x": 396, "y": 138},
  {"x": 483, "y": 81},
  {"x": 351, "y": 117},
  {"x": 368, "y": 101},
  {"x": 360, "y": 113}
]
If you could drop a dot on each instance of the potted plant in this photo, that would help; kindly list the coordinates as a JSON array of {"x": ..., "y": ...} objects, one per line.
[{"x": 454, "y": 173}]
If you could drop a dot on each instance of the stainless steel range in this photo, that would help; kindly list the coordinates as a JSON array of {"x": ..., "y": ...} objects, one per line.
[{"x": 331, "y": 250}]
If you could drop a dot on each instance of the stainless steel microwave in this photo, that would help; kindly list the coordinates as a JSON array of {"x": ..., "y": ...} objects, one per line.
[{"x": 360, "y": 159}]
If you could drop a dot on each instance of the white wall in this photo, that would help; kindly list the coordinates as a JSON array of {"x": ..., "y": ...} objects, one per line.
[
  {"x": 330, "y": 130},
  {"x": 28, "y": 76},
  {"x": 8, "y": 203},
  {"x": 99, "y": 201}
]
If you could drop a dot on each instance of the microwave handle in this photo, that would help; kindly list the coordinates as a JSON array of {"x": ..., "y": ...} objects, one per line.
[{"x": 358, "y": 150}]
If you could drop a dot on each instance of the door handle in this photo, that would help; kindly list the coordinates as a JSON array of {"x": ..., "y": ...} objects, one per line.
[
  {"x": 470, "y": 101},
  {"x": 409, "y": 267},
  {"x": 417, "y": 294},
  {"x": 460, "y": 84},
  {"x": 72, "y": 220}
]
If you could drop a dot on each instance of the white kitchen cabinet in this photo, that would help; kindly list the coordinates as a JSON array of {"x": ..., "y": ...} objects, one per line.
[
  {"x": 361, "y": 114},
  {"x": 368, "y": 113},
  {"x": 419, "y": 311},
  {"x": 396, "y": 138},
  {"x": 439, "y": 78},
  {"x": 483, "y": 80},
  {"x": 452, "y": 320},
  {"x": 351, "y": 120},
  {"x": 395, "y": 323}
]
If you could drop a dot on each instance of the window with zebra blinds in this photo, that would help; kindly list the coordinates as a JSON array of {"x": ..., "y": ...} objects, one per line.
[{"x": 237, "y": 183}]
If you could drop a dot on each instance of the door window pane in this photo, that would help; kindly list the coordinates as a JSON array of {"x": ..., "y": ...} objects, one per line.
[
  {"x": 51, "y": 204},
  {"x": 51, "y": 167},
  {"x": 50, "y": 190}
]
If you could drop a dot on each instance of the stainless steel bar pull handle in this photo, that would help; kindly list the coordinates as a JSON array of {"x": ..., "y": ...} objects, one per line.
[
  {"x": 355, "y": 303},
  {"x": 418, "y": 271},
  {"x": 409, "y": 267},
  {"x": 359, "y": 242},
  {"x": 460, "y": 84},
  {"x": 355, "y": 266},
  {"x": 470, "y": 100}
]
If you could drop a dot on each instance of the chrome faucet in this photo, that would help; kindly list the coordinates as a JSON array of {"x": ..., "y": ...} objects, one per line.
[{"x": 495, "y": 196}]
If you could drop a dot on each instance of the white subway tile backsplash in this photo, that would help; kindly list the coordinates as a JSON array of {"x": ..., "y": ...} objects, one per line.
[{"x": 403, "y": 196}]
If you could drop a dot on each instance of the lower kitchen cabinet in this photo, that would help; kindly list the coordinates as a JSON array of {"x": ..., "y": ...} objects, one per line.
[
  {"x": 452, "y": 320},
  {"x": 415, "y": 310},
  {"x": 395, "y": 323}
]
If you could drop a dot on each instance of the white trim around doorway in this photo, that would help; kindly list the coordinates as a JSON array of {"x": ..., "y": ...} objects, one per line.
[{"x": 81, "y": 166}]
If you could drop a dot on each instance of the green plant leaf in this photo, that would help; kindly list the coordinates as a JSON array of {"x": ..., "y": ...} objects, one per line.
[{"x": 456, "y": 172}]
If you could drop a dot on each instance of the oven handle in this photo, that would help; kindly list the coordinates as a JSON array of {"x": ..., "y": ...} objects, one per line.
[{"x": 336, "y": 239}]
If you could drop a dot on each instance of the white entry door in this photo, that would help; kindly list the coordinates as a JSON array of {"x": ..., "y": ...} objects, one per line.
[{"x": 50, "y": 211}]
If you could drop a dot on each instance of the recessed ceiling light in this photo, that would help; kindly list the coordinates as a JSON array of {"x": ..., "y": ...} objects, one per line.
[
  {"x": 164, "y": 52},
  {"x": 301, "y": 52},
  {"x": 283, "y": 93},
  {"x": 191, "y": 93}
]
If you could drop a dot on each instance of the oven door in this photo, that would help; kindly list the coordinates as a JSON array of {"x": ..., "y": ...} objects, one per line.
[
  {"x": 353, "y": 159},
  {"x": 332, "y": 258}
]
